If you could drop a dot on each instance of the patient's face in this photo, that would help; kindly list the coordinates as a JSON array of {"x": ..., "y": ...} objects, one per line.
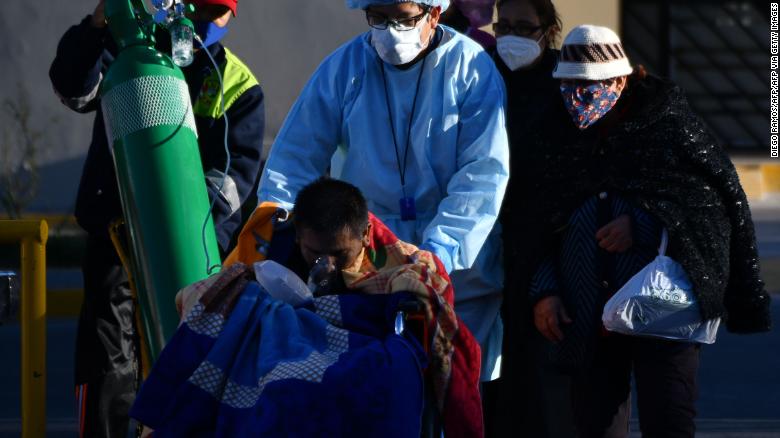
[{"x": 341, "y": 249}]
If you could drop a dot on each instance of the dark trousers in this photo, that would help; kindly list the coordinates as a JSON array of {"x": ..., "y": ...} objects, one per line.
[
  {"x": 106, "y": 365},
  {"x": 666, "y": 388},
  {"x": 514, "y": 405}
]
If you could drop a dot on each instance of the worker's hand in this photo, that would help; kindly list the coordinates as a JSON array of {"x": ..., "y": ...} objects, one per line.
[
  {"x": 616, "y": 236},
  {"x": 549, "y": 314},
  {"x": 98, "y": 16}
]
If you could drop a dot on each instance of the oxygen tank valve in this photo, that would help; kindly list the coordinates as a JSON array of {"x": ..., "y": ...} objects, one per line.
[
  {"x": 171, "y": 14},
  {"x": 163, "y": 9}
]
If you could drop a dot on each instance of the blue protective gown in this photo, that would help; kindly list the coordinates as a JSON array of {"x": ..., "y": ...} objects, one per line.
[{"x": 457, "y": 165}]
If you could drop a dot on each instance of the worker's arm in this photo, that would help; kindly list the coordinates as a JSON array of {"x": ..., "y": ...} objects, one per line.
[
  {"x": 76, "y": 70},
  {"x": 467, "y": 214},
  {"x": 246, "y": 119}
]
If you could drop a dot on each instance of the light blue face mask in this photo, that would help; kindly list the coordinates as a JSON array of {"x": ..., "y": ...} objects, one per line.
[{"x": 209, "y": 32}]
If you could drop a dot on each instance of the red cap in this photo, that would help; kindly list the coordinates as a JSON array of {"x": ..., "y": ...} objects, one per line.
[{"x": 231, "y": 4}]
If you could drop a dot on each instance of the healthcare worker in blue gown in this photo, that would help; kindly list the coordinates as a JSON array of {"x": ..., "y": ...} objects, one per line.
[{"x": 412, "y": 113}]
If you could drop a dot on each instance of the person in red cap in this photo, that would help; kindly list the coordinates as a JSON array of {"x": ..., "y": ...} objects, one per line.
[{"x": 107, "y": 367}]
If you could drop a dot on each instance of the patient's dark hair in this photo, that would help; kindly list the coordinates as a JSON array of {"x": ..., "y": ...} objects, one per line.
[{"x": 328, "y": 205}]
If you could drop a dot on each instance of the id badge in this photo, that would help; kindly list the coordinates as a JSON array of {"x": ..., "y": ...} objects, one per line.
[{"x": 408, "y": 210}]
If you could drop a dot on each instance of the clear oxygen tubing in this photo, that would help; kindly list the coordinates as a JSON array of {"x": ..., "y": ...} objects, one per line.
[{"x": 209, "y": 267}]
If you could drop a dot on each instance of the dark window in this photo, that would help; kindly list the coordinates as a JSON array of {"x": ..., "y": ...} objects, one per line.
[{"x": 718, "y": 52}]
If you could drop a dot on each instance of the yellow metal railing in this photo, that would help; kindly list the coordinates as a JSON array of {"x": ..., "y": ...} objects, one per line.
[{"x": 32, "y": 234}]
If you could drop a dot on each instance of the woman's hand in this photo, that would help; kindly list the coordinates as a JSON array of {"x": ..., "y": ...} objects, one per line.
[
  {"x": 616, "y": 236},
  {"x": 549, "y": 314}
]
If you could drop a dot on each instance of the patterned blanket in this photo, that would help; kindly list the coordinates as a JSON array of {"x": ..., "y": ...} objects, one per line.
[
  {"x": 334, "y": 336},
  {"x": 389, "y": 266},
  {"x": 244, "y": 364}
]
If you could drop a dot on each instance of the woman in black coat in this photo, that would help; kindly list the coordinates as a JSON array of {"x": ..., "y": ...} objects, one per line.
[
  {"x": 525, "y": 56},
  {"x": 625, "y": 159},
  {"x": 526, "y": 31}
]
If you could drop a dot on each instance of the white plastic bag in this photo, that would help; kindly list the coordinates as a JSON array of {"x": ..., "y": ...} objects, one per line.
[
  {"x": 282, "y": 283},
  {"x": 659, "y": 302}
]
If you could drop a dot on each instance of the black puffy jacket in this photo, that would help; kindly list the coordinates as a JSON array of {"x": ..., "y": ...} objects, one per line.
[{"x": 658, "y": 155}]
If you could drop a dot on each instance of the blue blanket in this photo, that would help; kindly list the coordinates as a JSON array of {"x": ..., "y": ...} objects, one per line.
[{"x": 267, "y": 369}]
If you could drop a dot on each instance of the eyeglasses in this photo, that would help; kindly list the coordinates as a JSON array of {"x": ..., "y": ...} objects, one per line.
[
  {"x": 381, "y": 22},
  {"x": 523, "y": 30}
]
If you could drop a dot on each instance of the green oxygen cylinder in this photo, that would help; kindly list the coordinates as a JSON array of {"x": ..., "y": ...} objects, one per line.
[{"x": 151, "y": 130}]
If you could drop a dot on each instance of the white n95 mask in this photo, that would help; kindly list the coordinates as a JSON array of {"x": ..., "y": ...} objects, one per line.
[
  {"x": 518, "y": 52},
  {"x": 398, "y": 47}
]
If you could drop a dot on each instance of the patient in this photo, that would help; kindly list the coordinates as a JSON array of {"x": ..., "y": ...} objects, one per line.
[
  {"x": 329, "y": 232},
  {"x": 241, "y": 360}
]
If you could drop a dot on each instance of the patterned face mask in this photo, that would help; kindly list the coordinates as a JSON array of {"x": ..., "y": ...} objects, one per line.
[{"x": 588, "y": 102}]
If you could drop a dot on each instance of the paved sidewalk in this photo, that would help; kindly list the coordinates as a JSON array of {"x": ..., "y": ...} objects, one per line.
[{"x": 728, "y": 428}]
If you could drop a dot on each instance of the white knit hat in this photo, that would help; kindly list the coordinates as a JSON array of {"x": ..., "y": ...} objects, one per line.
[{"x": 592, "y": 53}]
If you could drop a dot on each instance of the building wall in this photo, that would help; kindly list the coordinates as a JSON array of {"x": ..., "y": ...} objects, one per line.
[{"x": 600, "y": 12}]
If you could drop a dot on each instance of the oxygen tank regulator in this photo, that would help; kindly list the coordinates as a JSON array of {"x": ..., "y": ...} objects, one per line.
[{"x": 170, "y": 14}]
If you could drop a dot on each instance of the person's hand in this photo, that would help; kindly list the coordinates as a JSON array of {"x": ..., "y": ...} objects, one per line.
[
  {"x": 99, "y": 16},
  {"x": 616, "y": 236},
  {"x": 549, "y": 314},
  {"x": 179, "y": 300},
  {"x": 422, "y": 257}
]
